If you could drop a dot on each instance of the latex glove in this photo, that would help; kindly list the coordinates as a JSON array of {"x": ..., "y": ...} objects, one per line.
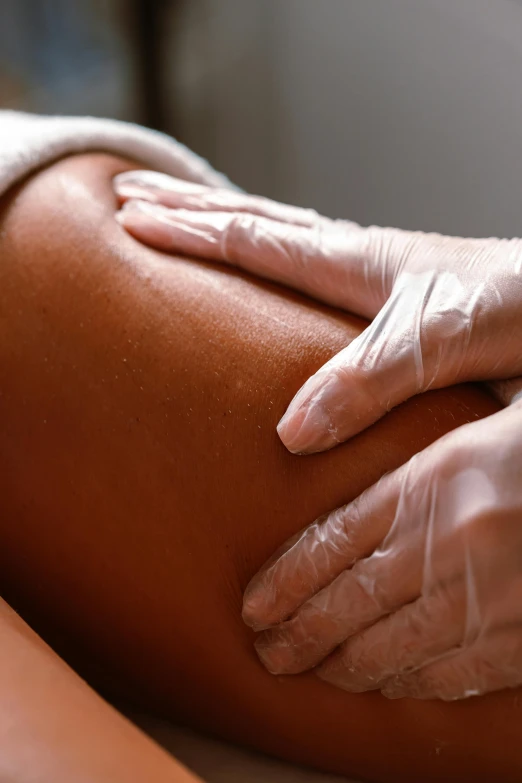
[
  {"x": 444, "y": 309},
  {"x": 416, "y": 586}
]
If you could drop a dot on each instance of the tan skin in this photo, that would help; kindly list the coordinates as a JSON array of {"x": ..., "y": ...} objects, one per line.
[
  {"x": 144, "y": 484},
  {"x": 54, "y": 728}
]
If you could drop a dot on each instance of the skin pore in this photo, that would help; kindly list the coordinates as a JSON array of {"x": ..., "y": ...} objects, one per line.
[{"x": 143, "y": 484}]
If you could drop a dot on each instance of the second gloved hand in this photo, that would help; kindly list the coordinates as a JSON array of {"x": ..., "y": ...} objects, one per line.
[
  {"x": 415, "y": 588},
  {"x": 443, "y": 309}
]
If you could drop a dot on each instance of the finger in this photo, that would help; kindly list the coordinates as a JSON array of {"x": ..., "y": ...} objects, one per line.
[
  {"x": 398, "y": 507},
  {"x": 399, "y": 643},
  {"x": 331, "y": 260},
  {"x": 492, "y": 663},
  {"x": 373, "y": 588},
  {"x": 316, "y": 556},
  {"x": 399, "y": 355},
  {"x": 507, "y": 392},
  {"x": 420, "y": 334},
  {"x": 356, "y": 599},
  {"x": 408, "y": 562},
  {"x": 179, "y": 194},
  {"x": 306, "y": 258}
]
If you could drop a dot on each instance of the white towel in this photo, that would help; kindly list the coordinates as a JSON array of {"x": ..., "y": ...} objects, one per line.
[{"x": 29, "y": 141}]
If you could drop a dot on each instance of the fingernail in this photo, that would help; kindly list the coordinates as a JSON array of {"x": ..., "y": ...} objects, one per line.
[
  {"x": 136, "y": 191},
  {"x": 344, "y": 682},
  {"x": 146, "y": 207},
  {"x": 254, "y": 603},
  {"x": 139, "y": 212},
  {"x": 306, "y": 429},
  {"x": 307, "y": 425},
  {"x": 148, "y": 222},
  {"x": 395, "y": 690},
  {"x": 134, "y": 184},
  {"x": 277, "y": 656}
]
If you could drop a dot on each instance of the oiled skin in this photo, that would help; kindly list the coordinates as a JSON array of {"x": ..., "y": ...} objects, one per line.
[{"x": 142, "y": 483}]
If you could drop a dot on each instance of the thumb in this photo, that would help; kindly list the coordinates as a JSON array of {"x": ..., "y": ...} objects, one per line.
[
  {"x": 403, "y": 352},
  {"x": 507, "y": 392}
]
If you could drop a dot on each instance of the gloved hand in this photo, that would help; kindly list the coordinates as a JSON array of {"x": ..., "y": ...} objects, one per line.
[
  {"x": 444, "y": 309},
  {"x": 416, "y": 585},
  {"x": 415, "y": 588}
]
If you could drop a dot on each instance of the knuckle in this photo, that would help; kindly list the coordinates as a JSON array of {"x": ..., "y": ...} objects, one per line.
[
  {"x": 391, "y": 249},
  {"x": 364, "y": 373},
  {"x": 342, "y": 370},
  {"x": 362, "y": 524},
  {"x": 239, "y": 226},
  {"x": 366, "y": 657},
  {"x": 301, "y": 246},
  {"x": 510, "y": 653},
  {"x": 441, "y": 461},
  {"x": 372, "y": 578},
  {"x": 345, "y": 531},
  {"x": 321, "y": 619},
  {"x": 353, "y": 521}
]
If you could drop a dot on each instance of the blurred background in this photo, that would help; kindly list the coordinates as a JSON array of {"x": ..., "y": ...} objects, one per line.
[{"x": 397, "y": 112}]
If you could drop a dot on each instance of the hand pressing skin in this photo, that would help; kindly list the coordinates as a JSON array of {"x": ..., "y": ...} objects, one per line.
[
  {"x": 443, "y": 309},
  {"x": 416, "y": 587}
]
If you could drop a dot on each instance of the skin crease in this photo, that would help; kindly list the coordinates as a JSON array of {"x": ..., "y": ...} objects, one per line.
[{"x": 143, "y": 484}]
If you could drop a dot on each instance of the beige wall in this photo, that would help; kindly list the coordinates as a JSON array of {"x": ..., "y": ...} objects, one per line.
[{"x": 403, "y": 112}]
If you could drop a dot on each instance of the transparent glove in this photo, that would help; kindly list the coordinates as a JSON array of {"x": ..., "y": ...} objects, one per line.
[
  {"x": 444, "y": 309},
  {"x": 415, "y": 588}
]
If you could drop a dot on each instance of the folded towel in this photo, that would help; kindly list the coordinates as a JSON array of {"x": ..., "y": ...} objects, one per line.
[{"x": 29, "y": 141}]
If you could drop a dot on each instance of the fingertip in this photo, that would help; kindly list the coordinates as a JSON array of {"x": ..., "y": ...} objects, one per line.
[
  {"x": 307, "y": 430},
  {"x": 331, "y": 407},
  {"x": 125, "y": 177},
  {"x": 134, "y": 222},
  {"x": 400, "y": 688},
  {"x": 261, "y": 609},
  {"x": 393, "y": 694},
  {"x": 340, "y": 679},
  {"x": 128, "y": 218},
  {"x": 140, "y": 177},
  {"x": 156, "y": 182},
  {"x": 144, "y": 206},
  {"x": 126, "y": 191},
  {"x": 143, "y": 226},
  {"x": 254, "y": 611},
  {"x": 288, "y": 430},
  {"x": 276, "y": 653}
]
